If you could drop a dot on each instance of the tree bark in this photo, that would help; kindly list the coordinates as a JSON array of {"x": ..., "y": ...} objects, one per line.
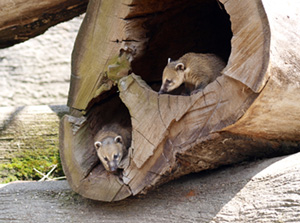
[
  {"x": 21, "y": 20},
  {"x": 241, "y": 115}
]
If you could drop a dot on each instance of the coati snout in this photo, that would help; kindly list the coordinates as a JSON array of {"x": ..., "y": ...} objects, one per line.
[{"x": 173, "y": 76}]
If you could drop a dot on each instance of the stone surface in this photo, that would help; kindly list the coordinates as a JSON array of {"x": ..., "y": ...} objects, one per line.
[
  {"x": 261, "y": 191},
  {"x": 37, "y": 72}
]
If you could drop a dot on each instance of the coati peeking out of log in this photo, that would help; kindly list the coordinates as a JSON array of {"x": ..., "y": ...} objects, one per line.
[
  {"x": 195, "y": 70},
  {"x": 112, "y": 143}
]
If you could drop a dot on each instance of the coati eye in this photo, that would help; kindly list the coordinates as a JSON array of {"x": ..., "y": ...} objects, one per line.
[
  {"x": 105, "y": 158},
  {"x": 168, "y": 81},
  {"x": 116, "y": 156}
]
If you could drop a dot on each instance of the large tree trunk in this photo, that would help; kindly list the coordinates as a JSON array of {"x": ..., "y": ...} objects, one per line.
[
  {"x": 252, "y": 110},
  {"x": 23, "y": 19}
]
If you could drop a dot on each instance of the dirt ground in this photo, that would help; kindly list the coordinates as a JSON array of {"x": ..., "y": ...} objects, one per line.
[{"x": 261, "y": 191}]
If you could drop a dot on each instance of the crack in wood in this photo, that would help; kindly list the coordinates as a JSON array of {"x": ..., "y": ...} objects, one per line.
[
  {"x": 144, "y": 16},
  {"x": 89, "y": 171},
  {"x": 125, "y": 41},
  {"x": 144, "y": 137},
  {"x": 208, "y": 118},
  {"x": 159, "y": 112},
  {"x": 203, "y": 94},
  {"x": 76, "y": 123}
]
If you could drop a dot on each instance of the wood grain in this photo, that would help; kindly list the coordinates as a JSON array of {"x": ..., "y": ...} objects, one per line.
[
  {"x": 275, "y": 114},
  {"x": 28, "y": 127}
]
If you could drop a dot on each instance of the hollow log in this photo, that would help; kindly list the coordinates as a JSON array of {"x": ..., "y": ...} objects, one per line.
[
  {"x": 23, "y": 19},
  {"x": 252, "y": 110}
]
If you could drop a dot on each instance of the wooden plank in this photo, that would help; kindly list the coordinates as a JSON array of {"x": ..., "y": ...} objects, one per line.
[
  {"x": 28, "y": 127},
  {"x": 21, "y": 19}
]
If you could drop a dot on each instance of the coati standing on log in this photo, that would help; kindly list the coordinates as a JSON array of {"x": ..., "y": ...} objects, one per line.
[
  {"x": 112, "y": 143},
  {"x": 196, "y": 70}
]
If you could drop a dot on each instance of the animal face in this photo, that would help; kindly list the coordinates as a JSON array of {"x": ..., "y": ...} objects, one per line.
[
  {"x": 110, "y": 152},
  {"x": 173, "y": 77}
]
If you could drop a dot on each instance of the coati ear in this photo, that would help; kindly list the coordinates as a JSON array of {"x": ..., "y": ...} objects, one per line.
[
  {"x": 118, "y": 139},
  {"x": 97, "y": 144},
  {"x": 180, "y": 66},
  {"x": 169, "y": 60}
]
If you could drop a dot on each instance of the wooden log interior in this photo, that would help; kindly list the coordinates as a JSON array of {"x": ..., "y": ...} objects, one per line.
[
  {"x": 118, "y": 58},
  {"x": 168, "y": 29}
]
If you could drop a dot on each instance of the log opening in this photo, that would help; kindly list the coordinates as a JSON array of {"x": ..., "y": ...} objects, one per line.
[
  {"x": 183, "y": 26},
  {"x": 86, "y": 174},
  {"x": 107, "y": 113}
]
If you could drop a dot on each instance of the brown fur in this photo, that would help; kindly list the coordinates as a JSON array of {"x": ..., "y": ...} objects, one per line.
[
  {"x": 112, "y": 143},
  {"x": 196, "y": 70}
]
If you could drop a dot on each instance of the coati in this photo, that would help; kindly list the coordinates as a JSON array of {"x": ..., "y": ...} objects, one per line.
[
  {"x": 196, "y": 70},
  {"x": 112, "y": 143}
]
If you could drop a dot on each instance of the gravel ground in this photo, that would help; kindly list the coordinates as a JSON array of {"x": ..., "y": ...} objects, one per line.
[{"x": 37, "y": 72}]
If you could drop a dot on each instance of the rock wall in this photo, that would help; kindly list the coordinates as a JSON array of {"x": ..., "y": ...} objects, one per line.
[{"x": 37, "y": 72}]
